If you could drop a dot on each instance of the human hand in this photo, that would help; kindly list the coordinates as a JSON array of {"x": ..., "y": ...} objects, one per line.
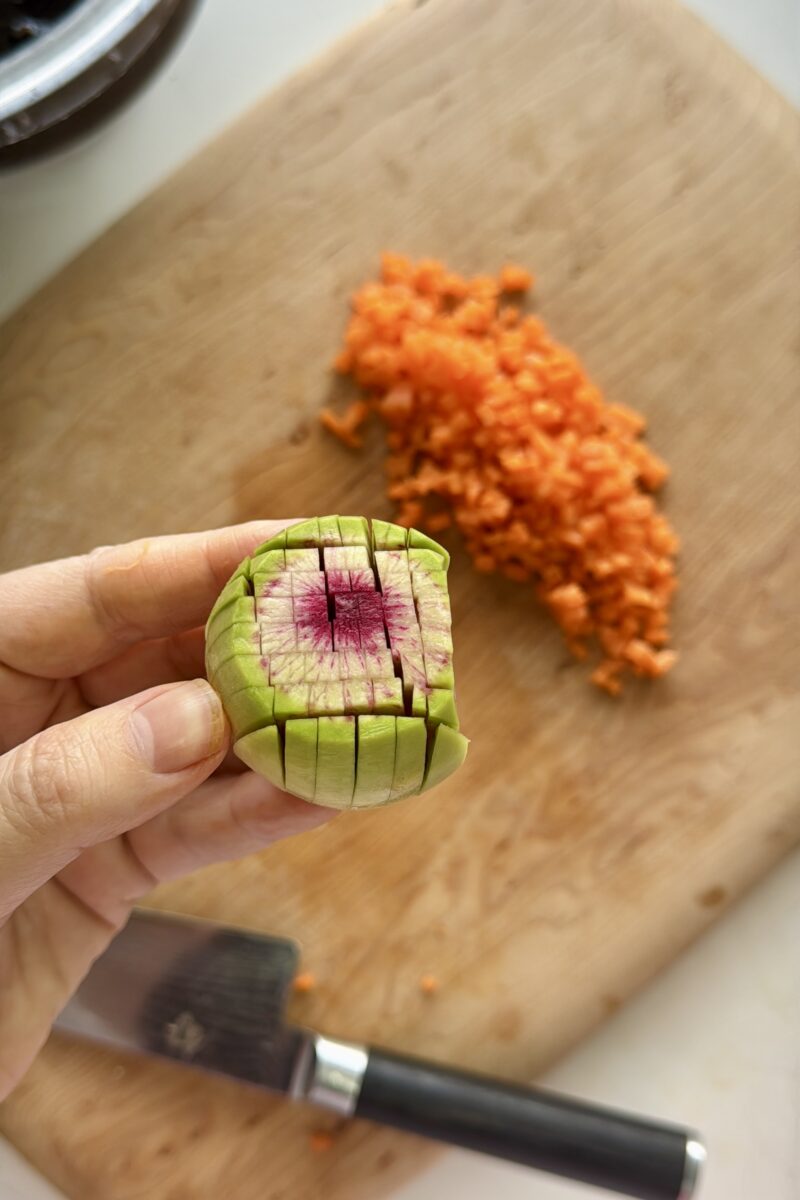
[{"x": 114, "y": 765}]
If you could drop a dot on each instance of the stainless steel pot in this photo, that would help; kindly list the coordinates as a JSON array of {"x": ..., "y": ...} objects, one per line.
[{"x": 58, "y": 83}]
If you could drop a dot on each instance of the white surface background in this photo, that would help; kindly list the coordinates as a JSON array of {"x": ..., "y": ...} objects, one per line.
[{"x": 715, "y": 1041}]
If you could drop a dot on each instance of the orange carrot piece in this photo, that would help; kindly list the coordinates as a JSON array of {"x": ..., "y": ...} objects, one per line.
[
  {"x": 514, "y": 278},
  {"x": 340, "y": 429}
]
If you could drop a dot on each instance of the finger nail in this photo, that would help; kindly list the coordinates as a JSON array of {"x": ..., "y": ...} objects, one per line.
[{"x": 180, "y": 726}]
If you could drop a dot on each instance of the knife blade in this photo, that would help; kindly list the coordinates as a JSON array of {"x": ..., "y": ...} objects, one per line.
[
  {"x": 196, "y": 992},
  {"x": 214, "y": 998}
]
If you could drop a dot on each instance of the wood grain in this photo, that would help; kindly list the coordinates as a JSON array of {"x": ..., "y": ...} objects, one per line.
[{"x": 169, "y": 379}]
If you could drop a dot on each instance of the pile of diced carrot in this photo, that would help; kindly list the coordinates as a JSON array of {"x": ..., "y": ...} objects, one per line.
[{"x": 495, "y": 426}]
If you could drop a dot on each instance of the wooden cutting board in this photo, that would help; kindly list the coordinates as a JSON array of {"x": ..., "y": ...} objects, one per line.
[{"x": 170, "y": 379}]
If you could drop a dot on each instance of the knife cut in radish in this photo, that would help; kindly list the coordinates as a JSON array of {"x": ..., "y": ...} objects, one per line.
[{"x": 331, "y": 649}]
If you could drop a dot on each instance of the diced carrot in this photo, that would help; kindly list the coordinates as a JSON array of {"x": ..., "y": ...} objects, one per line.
[
  {"x": 428, "y": 985},
  {"x": 515, "y": 279},
  {"x": 340, "y": 429},
  {"x": 321, "y": 1140},
  {"x": 304, "y": 982},
  {"x": 495, "y": 426}
]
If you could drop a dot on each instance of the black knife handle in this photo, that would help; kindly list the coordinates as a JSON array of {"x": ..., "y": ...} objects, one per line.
[{"x": 563, "y": 1136}]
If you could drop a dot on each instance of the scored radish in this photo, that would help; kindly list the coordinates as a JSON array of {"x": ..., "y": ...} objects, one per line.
[{"x": 332, "y": 652}]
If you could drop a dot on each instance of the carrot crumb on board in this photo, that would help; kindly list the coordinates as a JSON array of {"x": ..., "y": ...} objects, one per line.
[
  {"x": 305, "y": 981},
  {"x": 321, "y": 1140},
  {"x": 495, "y": 427},
  {"x": 428, "y": 985},
  {"x": 346, "y": 427}
]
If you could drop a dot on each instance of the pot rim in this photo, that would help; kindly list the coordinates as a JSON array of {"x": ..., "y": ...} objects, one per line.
[{"x": 74, "y": 44}]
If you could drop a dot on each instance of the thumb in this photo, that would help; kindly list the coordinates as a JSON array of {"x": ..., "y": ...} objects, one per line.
[{"x": 90, "y": 779}]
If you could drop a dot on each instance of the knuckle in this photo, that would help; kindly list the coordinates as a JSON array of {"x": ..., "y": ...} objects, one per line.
[
  {"x": 48, "y": 777},
  {"x": 108, "y": 574},
  {"x": 97, "y": 564}
]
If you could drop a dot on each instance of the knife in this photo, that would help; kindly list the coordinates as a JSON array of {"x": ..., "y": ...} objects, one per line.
[{"x": 214, "y": 997}]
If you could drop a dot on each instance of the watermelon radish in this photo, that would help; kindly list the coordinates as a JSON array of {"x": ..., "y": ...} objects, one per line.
[{"x": 332, "y": 652}]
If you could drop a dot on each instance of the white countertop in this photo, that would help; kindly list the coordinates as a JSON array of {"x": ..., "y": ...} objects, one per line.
[{"x": 715, "y": 1041}]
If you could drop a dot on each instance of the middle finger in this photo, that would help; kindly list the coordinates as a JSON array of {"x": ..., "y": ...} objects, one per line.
[{"x": 160, "y": 660}]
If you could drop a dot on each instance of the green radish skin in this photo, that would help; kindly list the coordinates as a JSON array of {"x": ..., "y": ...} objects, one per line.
[
  {"x": 302, "y": 535},
  {"x": 448, "y": 752},
  {"x": 336, "y": 760},
  {"x": 421, "y": 541},
  {"x": 377, "y": 738},
  {"x": 300, "y": 756},
  {"x": 262, "y": 752},
  {"x": 442, "y": 708},
  {"x": 409, "y": 758}
]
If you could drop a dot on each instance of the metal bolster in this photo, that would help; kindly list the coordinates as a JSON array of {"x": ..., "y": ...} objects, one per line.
[
  {"x": 330, "y": 1074},
  {"x": 695, "y": 1157}
]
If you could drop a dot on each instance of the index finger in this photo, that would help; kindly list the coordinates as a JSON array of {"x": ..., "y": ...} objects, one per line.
[{"x": 62, "y": 618}]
